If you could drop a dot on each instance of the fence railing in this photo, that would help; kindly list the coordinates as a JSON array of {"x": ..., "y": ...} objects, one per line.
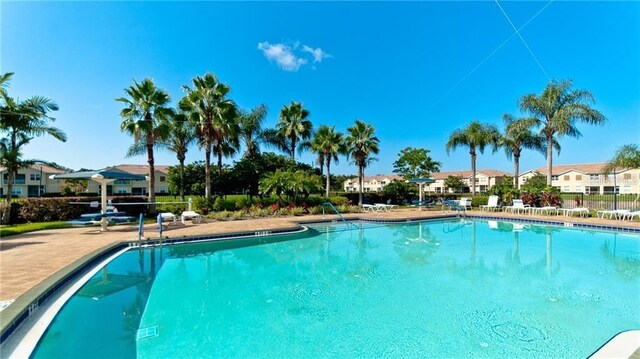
[{"x": 601, "y": 201}]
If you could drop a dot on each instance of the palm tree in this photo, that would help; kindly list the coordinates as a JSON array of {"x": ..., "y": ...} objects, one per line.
[
  {"x": 361, "y": 144},
  {"x": 556, "y": 111},
  {"x": 627, "y": 156},
  {"x": 294, "y": 127},
  {"x": 328, "y": 144},
  {"x": 181, "y": 136},
  {"x": 475, "y": 135},
  {"x": 145, "y": 113},
  {"x": 21, "y": 121},
  {"x": 251, "y": 132},
  {"x": 518, "y": 136},
  {"x": 209, "y": 108}
]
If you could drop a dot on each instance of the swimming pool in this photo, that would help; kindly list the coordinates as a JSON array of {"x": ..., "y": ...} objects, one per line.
[{"x": 447, "y": 288}]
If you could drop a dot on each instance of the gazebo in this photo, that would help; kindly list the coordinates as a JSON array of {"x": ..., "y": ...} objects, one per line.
[
  {"x": 103, "y": 177},
  {"x": 421, "y": 181}
]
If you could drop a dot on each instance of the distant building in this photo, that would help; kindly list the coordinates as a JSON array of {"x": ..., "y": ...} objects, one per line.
[
  {"x": 135, "y": 187},
  {"x": 370, "y": 183},
  {"x": 32, "y": 181},
  {"x": 485, "y": 179},
  {"x": 588, "y": 178}
]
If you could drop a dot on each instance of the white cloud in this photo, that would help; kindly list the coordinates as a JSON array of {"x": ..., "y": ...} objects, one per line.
[
  {"x": 282, "y": 55},
  {"x": 318, "y": 54}
]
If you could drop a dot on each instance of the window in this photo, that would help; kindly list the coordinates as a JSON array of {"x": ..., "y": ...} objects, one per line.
[
  {"x": 594, "y": 177},
  {"x": 524, "y": 180},
  {"x": 16, "y": 191},
  {"x": 121, "y": 182},
  {"x": 578, "y": 188},
  {"x": 627, "y": 176},
  {"x": 554, "y": 178},
  {"x": 34, "y": 177},
  {"x": 578, "y": 177},
  {"x": 566, "y": 178},
  {"x": 627, "y": 189},
  {"x": 163, "y": 179},
  {"x": 121, "y": 190},
  {"x": 566, "y": 189},
  {"x": 18, "y": 179}
]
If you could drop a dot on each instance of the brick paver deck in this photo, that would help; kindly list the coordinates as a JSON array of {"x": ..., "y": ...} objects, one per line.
[{"x": 28, "y": 259}]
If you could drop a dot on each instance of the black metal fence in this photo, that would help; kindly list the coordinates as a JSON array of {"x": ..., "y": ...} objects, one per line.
[{"x": 596, "y": 201}]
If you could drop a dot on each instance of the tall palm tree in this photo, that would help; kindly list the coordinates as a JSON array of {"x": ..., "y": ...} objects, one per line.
[
  {"x": 556, "y": 112},
  {"x": 476, "y": 136},
  {"x": 20, "y": 122},
  {"x": 145, "y": 115},
  {"x": 518, "y": 135},
  {"x": 251, "y": 132},
  {"x": 209, "y": 108},
  {"x": 181, "y": 136},
  {"x": 328, "y": 144},
  {"x": 627, "y": 156},
  {"x": 361, "y": 144},
  {"x": 294, "y": 127}
]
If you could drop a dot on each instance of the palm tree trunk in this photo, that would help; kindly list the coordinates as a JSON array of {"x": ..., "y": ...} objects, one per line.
[
  {"x": 516, "y": 169},
  {"x": 549, "y": 158},
  {"x": 182, "y": 179},
  {"x": 10, "y": 178},
  {"x": 207, "y": 169},
  {"x": 361, "y": 182},
  {"x": 328, "y": 177},
  {"x": 473, "y": 171},
  {"x": 293, "y": 148},
  {"x": 220, "y": 163},
  {"x": 152, "y": 176}
]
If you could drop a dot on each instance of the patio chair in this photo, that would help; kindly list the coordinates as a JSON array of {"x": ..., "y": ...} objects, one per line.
[
  {"x": 385, "y": 207},
  {"x": 169, "y": 217},
  {"x": 617, "y": 213},
  {"x": 582, "y": 211},
  {"x": 629, "y": 215},
  {"x": 370, "y": 208},
  {"x": 546, "y": 209},
  {"x": 193, "y": 216},
  {"x": 465, "y": 202},
  {"x": 491, "y": 204},
  {"x": 518, "y": 205}
]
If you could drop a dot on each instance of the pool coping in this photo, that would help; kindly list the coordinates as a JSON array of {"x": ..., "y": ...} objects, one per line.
[{"x": 26, "y": 304}]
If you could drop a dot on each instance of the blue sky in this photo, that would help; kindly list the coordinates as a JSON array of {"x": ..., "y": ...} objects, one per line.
[{"x": 415, "y": 70}]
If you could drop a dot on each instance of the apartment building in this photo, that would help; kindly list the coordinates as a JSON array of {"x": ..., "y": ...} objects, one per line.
[
  {"x": 370, "y": 183},
  {"x": 135, "y": 187},
  {"x": 588, "y": 178},
  {"x": 33, "y": 181},
  {"x": 485, "y": 179}
]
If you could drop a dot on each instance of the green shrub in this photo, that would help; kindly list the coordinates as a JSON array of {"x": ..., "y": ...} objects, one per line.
[
  {"x": 338, "y": 200},
  {"x": 222, "y": 204},
  {"x": 314, "y": 210},
  {"x": 244, "y": 203},
  {"x": 222, "y": 215},
  {"x": 173, "y": 208},
  {"x": 284, "y": 211},
  {"x": 200, "y": 203},
  {"x": 478, "y": 201},
  {"x": 237, "y": 215},
  {"x": 296, "y": 211}
]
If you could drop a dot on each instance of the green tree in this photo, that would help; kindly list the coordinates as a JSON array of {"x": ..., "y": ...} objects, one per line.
[
  {"x": 556, "y": 112},
  {"x": 294, "y": 127},
  {"x": 399, "y": 191},
  {"x": 251, "y": 132},
  {"x": 193, "y": 178},
  {"x": 454, "y": 182},
  {"x": 145, "y": 113},
  {"x": 328, "y": 144},
  {"x": 535, "y": 184},
  {"x": 20, "y": 122},
  {"x": 415, "y": 163},
  {"x": 214, "y": 115},
  {"x": 362, "y": 144},
  {"x": 181, "y": 136},
  {"x": 518, "y": 135},
  {"x": 476, "y": 136},
  {"x": 627, "y": 156},
  {"x": 291, "y": 183}
]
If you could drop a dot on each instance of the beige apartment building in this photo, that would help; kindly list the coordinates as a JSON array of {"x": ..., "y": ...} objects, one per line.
[
  {"x": 485, "y": 179},
  {"x": 33, "y": 181},
  {"x": 135, "y": 187},
  {"x": 370, "y": 183},
  {"x": 588, "y": 178}
]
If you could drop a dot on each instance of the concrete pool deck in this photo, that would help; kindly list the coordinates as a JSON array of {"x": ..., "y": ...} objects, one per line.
[{"x": 30, "y": 258}]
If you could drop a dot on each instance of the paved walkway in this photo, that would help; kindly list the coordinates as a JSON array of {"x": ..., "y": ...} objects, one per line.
[{"x": 28, "y": 259}]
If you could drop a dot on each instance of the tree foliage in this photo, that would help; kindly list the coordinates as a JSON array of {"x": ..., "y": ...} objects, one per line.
[
  {"x": 400, "y": 192},
  {"x": 415, "y": 163},
  {"x": 627, "y": 156},
  {"x": 454, "y": 182},
  {"x": 362, "y": 144}
]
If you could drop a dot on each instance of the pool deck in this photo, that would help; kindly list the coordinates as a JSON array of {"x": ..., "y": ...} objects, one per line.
[{"x": 30, "y": 258}]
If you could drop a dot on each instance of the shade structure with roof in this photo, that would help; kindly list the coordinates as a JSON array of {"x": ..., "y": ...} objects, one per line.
[
  {"x": 421, "y": 181},
  {"x": 103, "y": 177}
]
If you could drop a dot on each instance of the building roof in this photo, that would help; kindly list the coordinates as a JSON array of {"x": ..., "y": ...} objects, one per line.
[
  {"x": 377, "y": 178},
  {"x": 467, "y": 174},
  {"x": 140, "y": 169},
  {"x": 45, "y": 168},
  {"x": 586, "y": 168}
]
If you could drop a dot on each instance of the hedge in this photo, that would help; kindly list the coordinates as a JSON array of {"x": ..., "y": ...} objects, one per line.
[{"x": 61, "y": 209}]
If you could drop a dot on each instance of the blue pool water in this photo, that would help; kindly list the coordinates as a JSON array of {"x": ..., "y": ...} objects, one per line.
[{"x": 428, "y": 289}]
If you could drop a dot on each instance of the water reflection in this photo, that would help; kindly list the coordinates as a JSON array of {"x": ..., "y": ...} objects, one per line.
[{"x": 415, "y": 244}]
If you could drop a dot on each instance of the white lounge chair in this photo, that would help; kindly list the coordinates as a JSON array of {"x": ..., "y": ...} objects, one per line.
[
  {"x": 582, "y": 211},
  {"x": 385, "y": 207},
  {"x": 492, "y": 204},
  {"x": 517, "y": 207},
  {"x": 617, "y": 213},
  {"x": 631, "y": 214},
  {"x": 545, "y": 209},
  {"x": 169, "y": 217},
  {"x": 465, "y": 202},
  {"x": 370, "y": 208},
  {"x": 195, "y": 217}
]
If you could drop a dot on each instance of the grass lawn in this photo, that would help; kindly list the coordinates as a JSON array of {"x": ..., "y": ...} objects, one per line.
[{"x": 14, "y": 229}]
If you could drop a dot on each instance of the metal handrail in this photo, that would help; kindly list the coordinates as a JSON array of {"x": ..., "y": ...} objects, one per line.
[{"x": 348, "y": 223}]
